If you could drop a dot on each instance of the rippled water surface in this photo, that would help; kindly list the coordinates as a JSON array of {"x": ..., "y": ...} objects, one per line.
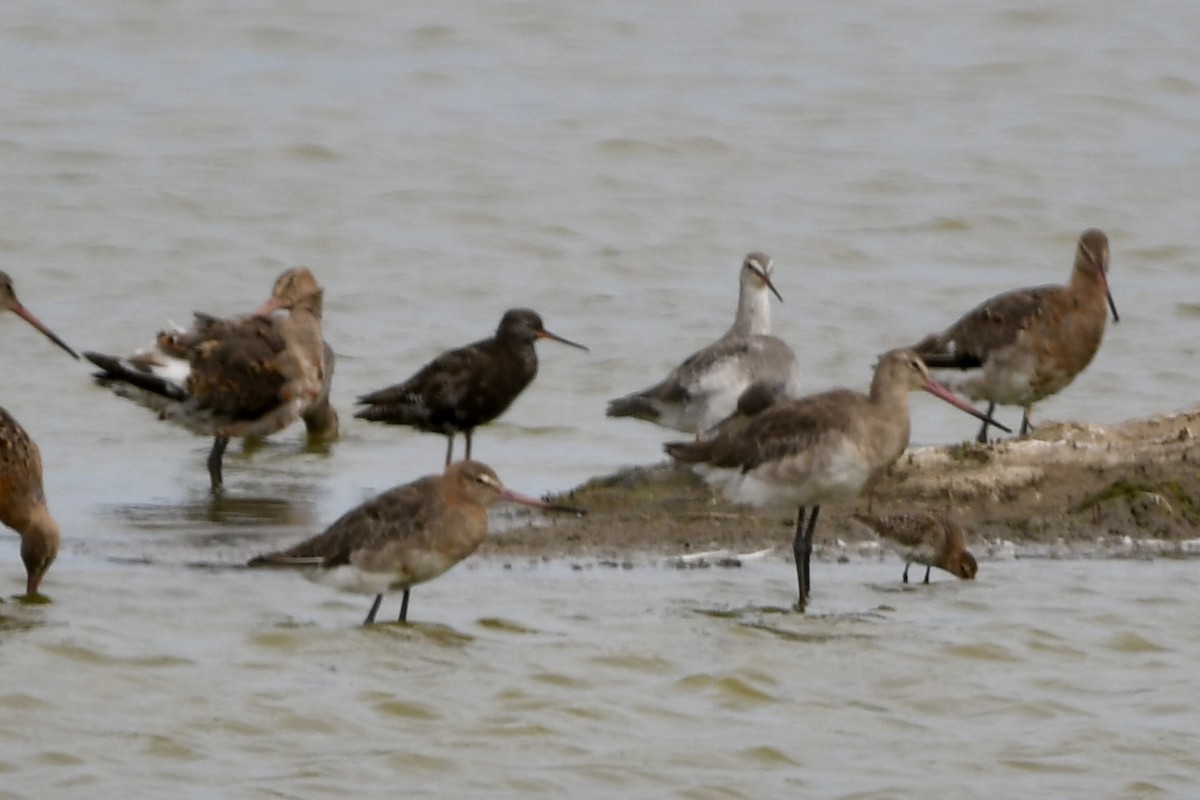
[{"x": 608, "y": 165}]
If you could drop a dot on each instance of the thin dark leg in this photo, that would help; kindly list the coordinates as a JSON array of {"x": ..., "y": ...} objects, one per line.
[
  {"x": 1025, "y": 424},
  {"x": 798, "y": 555},
  {"x": 926, "y": 574},
  {"x": 214, "y": 462},
  {"x": 808, "y": 548},
  {"x": 982, "y": 437},
  {"x": 374, "y": 607},
  {"x": 449, "y": 447},
  {"x": 904, "y": 577},
  {"x": 404, "y": 607},
  {"x": 468, "y": 435},
  {"x": 802, "y": 553}
]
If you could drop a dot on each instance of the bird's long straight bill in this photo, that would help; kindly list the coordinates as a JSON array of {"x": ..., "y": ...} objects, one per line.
[
  {"x": 939, "y": 391},
  {"x": 24, "y": 314},
  {"x": 766, "y": 279},
  {"x": 555, "y": 337},
  {"x": 525, "y": 500}
]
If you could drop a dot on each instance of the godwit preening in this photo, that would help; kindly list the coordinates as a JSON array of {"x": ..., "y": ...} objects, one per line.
[
  {"x": 704, "y": 389},
  {"x": 462, "y": 389},
  {"x": 819, "y": 449},
  {"x": 238, "y": 377},
  {"x": 934, "y": 540},
  {"x": 405, "y": 536},
  {"x": 1023, "y": 346},
  {"x": 22, "y": 497}
]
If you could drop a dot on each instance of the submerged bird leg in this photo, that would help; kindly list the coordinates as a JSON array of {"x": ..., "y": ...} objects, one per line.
[
  {"x": 808, "y": 548},
  {"x": 798, "y": 555},
  {"x": 1026, "y": 425},
  {"x": 982, "y": 437},
  {"x": 802, "y": 551},
  {"x": 404, "y": 608},
  {"x": 926, "y": 574},
  {"x": 214, "y": 462},
  {"x": 375, "y": 607}
]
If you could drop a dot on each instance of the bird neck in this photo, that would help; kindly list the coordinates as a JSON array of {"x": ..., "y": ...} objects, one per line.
[
  {"x": 39, "y": 545},
  {"x": 888, "y": 402},
  {"x": 312, "y": 304},
  {"x": 321, "y": 421},
  {"x": 753, "y": 311},
  {"x": 1087, "y": 281}
]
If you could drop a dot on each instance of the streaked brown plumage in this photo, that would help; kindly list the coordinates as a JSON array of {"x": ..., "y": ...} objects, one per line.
[
  {"x": 22, "y": 497},
  {"x": 405, "y": 536},
  {"x": 238, "y": 377},
  {"x": 464, "y": 388},
  {"x": 23, "y": 501},
  {"x": 934, "y": 540},
  {"x": 819, "y": 449},
  {"x": 1023, "y": 346}
]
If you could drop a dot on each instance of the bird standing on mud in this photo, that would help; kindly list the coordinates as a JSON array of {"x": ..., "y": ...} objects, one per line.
[
  {"x": 704, "y": 389},
  {"x": 1023, "y": 346}
]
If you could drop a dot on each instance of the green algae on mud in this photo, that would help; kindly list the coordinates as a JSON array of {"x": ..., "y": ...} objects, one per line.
[{"x": 1093, "y": 487}]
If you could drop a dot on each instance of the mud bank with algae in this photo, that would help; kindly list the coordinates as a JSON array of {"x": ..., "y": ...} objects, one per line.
[{"x": 1068, "y": 489}]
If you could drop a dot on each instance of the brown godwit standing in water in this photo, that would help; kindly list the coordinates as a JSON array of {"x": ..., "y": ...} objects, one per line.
[
  {"x": 1025, "y": 345},
  {"x": 819, "y": 449},
  {"x": 462, "y": 389},
  {"x": 405, "y": 536},
  {"x": 704, "y": 389},
  {"x": 238, "y": 377},
  {"x": 933, "y": 540},
  {"x": 22, "y": 497}
]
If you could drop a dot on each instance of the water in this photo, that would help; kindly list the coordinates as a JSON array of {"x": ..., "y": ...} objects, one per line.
[
  {"x": 1061, "y": 679},
  {"x": 608, "y": 166}
]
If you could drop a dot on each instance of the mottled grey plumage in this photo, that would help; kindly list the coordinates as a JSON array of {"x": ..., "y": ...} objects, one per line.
[{"x": 704, "y": 389}]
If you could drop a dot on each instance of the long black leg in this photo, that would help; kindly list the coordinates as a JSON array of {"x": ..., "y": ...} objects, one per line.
[
  {"x": 798, "y": 555},
  {"x": 1025, "y": 424},
  {"x": 374, "y": 607},
  {"x": 926, "y": 574},
  {"x": 904, "y": 577},
  {"x": 404, "y": 607},
  {"x": 449, "y": 447},
  {"x": 467, "y": 434},
  {"x": 802, "y": 553},
  {"x": 214, "y": 462},
  {"x": 982, "y": 437},
  {"x": 808, "y": 548}
]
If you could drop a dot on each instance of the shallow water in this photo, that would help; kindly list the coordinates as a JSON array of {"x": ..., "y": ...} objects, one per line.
[
  {"x": 607, "y": 166},
  {"x": 1043, "y": 677}
]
